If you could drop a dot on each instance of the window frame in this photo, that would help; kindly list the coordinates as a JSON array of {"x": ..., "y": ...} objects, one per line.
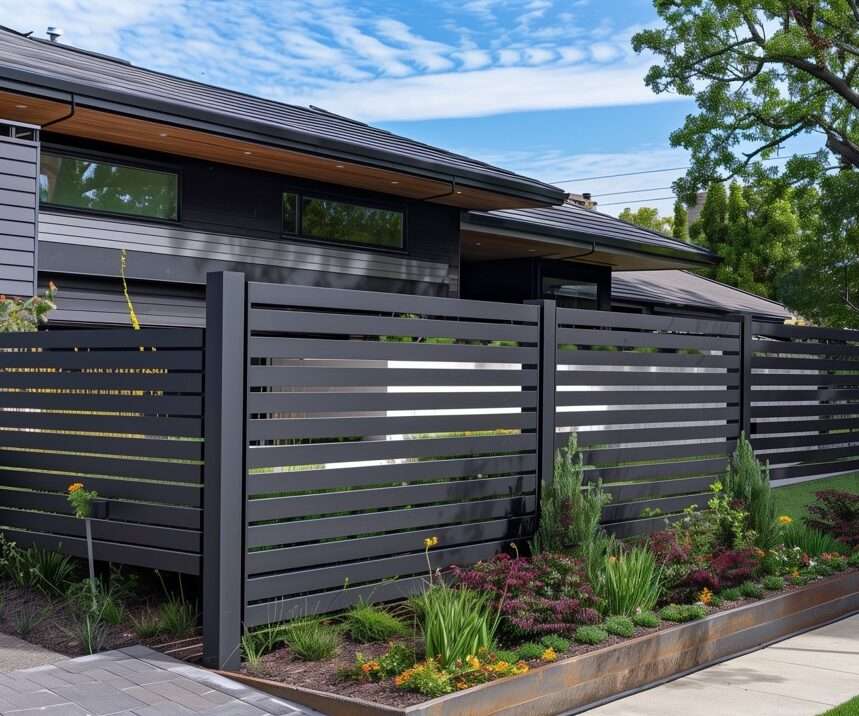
[
  {"x": 397, "y": 207},
  {"x": 119, "y": 160}
]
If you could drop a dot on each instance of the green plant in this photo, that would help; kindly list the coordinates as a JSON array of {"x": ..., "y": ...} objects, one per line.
[
  {"x": 682, "y": 612},
  {"x": 427, "y": 678},
  {"x": 456, "y": 622},
  {"x": 529, "y": 650},
  {"x": 26, "y": 315},
  {"x": 53, "y": 570},
  {"x": 811, "y": 541},
  {"x": 310, "y": 639},
  {"x": 619, "y": 626},
  {"x": 91, "y": 629},
  {"x": 147, "y": 624},
  {"x": 836, "y": 512},
  {"x": 853, "y": 559},
  {"x": 773, "y": 582},
  {"x": 751, "y": 590},
  {"x": 570, "y": 511},
  {"x": 95, "y": 598},
  {"x": 732, "y": 594},
  {"x": 590, "y": 635},
  {"x": 647, "y": 619},
  {"x": 367, "y": 623},
  {"x": 510, "y": 657},
  {"x": 81, "y": 499},
  {"x": 178, "y": 617},
  {"x": 27, "y": 618},
  {"x": 748, "y": 481},
  {"x": 397, "y": 659},
  {"x": 554, "y": 641},
  {"x": 632, "y": 581},
  {"x": 10, "y": 557}
]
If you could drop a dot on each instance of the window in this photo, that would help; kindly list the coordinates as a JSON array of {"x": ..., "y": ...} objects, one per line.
[
  {"x": 98, "y": 185},
  {"x": 339, "y": 221}
]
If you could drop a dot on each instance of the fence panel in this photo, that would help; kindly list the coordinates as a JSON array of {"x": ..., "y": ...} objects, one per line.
[
  {"x": 121, "y": 412},
  {"x": 376, "y": 421},
  {"x": 655, "y": 402},
  {"x": 805, "y": 399}
]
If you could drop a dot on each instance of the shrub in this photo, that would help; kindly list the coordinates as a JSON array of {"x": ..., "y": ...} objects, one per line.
[
  {"x": 809, "y": 540},
  {"x": 773, "y": 582},
  {"x": 457, "y": 622},
  {"x": 178, "y": 617},
  {"x": 837, "y": 514},
  {"x": 26, "y": 315},
  {"x": 733, "y": 594},
  {"x": 511, "y": 657},
  {"x": 427, "y": 678},
  {"x": 548, "y": 593},
  {"x": 570, "y": 511},
  {"x": 256, "y": 644},
  {"x": 647, "y": 620},
  {"x": 147, "y": 625},
  {"x": 397, "y": 659},
  {"x": 529, "y": 650},
  {"x": 310, "y": 639},
  {"x": 682, "y": 612},
  {"x": 366, "y": 623},
  {"x": 591, "y": 635},
  {"x": 631, "y": 581},
  {"x": 556, "y": 642},
  {"x": 619, "y": 626},
  {"x": 834, "y": 560},
  {"x": 733, "y": 567},
  {"x": 751, "y": 590},
  {"x": 748, "y": 482}
]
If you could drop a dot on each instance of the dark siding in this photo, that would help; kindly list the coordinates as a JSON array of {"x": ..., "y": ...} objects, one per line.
[
  {"x": 230, "y": 220},
  {"x": 19, "y": 161}
]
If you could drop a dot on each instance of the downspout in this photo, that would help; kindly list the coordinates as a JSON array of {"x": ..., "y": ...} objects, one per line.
[
  {"x": 443, "y": 194},
  {"x": 69, "y": 115}
]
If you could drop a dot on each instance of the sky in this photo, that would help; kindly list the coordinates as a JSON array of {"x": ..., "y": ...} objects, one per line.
[{"x": 549, "y": 88}]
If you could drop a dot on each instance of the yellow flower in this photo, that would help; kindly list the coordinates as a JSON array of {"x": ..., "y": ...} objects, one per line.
[
  {"x": 549, "y": 655},
  {"x": 473, "y": 662},
  {"x": 520, "y": 668},
  {"x": 705, "y": 596},
  {"x": 794, "y": 573},
  {"x": 75, "y": 486},
  {"x": 501, "y": 666},
  {"x": 430, "y": 542},
  {"x": 785, "y": 519}
]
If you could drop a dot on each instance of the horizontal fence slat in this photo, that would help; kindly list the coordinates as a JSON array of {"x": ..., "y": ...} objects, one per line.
[
  {"x": 107, "y": 338},
  {"x": 650, "y": 416},
  {"x": 658, "y": 471},
  {"x": 566, "y": 398},
  {"x": 188, "y": 360},
  {"x": 644, "y": 339},
  {"x": 272, "y": 402},
  {"x": 89, "y": 422},
  {"x": 164, "y": 447},
  {"x": 633, "y": 510},
  {"x": 145, "y": 404},
  {"x": 364, "y": 377},
  {"x": 637, "y": 321},
  {"x": 83, "y": 380},
  {"x": 620, "y": 377},
  {"x": 638, "y": 359}
]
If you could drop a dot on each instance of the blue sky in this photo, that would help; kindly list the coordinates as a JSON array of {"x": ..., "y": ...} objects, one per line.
[{"x": 548, "y": 88}]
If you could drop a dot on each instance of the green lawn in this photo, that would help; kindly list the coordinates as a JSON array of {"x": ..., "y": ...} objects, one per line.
[
  {"x": 848, "y": 708},
  {"x": 792, "y": 500}
]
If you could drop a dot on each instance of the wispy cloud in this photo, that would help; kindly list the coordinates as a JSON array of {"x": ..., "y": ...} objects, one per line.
[{"x": 365, "y": 61}]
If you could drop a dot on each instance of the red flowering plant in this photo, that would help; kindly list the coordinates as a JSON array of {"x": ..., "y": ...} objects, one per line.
[
  {"x": 836, "y": 513},
  {"x": 544, "y": 594}
]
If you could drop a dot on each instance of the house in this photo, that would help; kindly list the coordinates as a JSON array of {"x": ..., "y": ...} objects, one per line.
[{"x": 101, "y": 160}]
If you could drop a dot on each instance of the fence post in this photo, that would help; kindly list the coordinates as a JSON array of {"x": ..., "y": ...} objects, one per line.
[
  {"x": 223, "y": 493},
  {"x": 746, "y": 375},
  {"x": 546, "y": 401}
]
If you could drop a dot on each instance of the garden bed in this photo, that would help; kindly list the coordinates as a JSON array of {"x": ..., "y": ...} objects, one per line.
[{"x": 582, "y": 676}]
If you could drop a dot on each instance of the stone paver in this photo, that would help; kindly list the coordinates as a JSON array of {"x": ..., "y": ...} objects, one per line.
[
  {"x": 802, "y": 676},
  {"x": 15, "y": 654},
  {"x": 136, "y": 681}
]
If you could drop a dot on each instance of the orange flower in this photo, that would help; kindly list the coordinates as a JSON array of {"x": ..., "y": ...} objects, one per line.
[
  {"x": 75, "y": 486},
  {"x": 705, "y": 596}
]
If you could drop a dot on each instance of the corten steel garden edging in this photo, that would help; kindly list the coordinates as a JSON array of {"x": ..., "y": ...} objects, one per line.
[{"x": 599, "y": 675}]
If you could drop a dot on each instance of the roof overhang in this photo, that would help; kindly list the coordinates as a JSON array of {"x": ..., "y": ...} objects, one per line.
[
  {"x": 486, "y": 237},
  {"x": 143, "y": 122}
]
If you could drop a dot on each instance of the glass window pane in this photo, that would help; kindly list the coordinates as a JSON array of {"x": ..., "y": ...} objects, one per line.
[
  {"x": 338, "y": 221},
  {"x": 290, "y": 213},
  {"x": 102, "y": 186}
]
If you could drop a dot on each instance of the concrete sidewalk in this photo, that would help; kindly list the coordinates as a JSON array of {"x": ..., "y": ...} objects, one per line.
[{"x": 801, "y": 676}]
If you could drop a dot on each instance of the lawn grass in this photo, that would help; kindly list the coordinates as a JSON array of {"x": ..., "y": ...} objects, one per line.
[
  {"x": 793, "y": 499},
  {"x": 848, "y": 708}
]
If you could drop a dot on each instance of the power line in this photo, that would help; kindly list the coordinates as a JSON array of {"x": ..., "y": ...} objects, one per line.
[
  {"x": 668, "y": 169},
  {"x": 639, "y": 201},
  {"x": 634, "y": 191}
]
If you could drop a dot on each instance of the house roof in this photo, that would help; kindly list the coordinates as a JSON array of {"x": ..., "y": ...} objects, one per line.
[
  {"x": 588, "y": 227},
  {"x": 688, "y": 290},
  {"x": 52, "y": 70}
]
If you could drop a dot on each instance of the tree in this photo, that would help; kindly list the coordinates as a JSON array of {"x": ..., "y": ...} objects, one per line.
[
  {"x": 680, "y": 224},
  {"x": 761, "y": 72},
  {"x": 647, "y": 218}
]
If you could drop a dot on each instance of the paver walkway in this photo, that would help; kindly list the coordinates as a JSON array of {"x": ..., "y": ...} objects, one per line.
[
  {"x": 16, "y": 653},
  {"x": 801, "y": 676},
  {"x": 132, "y": 682}
]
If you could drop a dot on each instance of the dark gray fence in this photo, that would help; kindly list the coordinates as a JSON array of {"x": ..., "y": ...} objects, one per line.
[
  {"x": 805, "y": 399},
  {"x": 121, "y": 412},
  {"x": 376, "y": 421},
  {"x": 655, "y": 402}
]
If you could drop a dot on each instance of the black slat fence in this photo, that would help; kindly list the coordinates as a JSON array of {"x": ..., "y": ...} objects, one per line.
[
  {"x": 119, "y": 411},
  {"x": 376, "y": 421},
  {"x": 655, "y": 402}
]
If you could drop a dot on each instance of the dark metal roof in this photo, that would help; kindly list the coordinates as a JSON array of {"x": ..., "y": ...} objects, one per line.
[
  {"x": 684, "y": 289},
  {"x": 56, "y": 71},
  {"x": 586, "y": 225}
]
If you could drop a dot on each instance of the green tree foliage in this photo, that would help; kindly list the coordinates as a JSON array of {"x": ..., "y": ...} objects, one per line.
[
  {"x": 647, "y": 218},
  {"x": 680, "y": 223},
  {"x": 761, "y": 72}
]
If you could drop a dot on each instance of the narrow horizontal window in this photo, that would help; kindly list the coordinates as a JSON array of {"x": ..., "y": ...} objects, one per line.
[
  {"x": 339, "y": 221},
  {"x": 97, "y": 185}
]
